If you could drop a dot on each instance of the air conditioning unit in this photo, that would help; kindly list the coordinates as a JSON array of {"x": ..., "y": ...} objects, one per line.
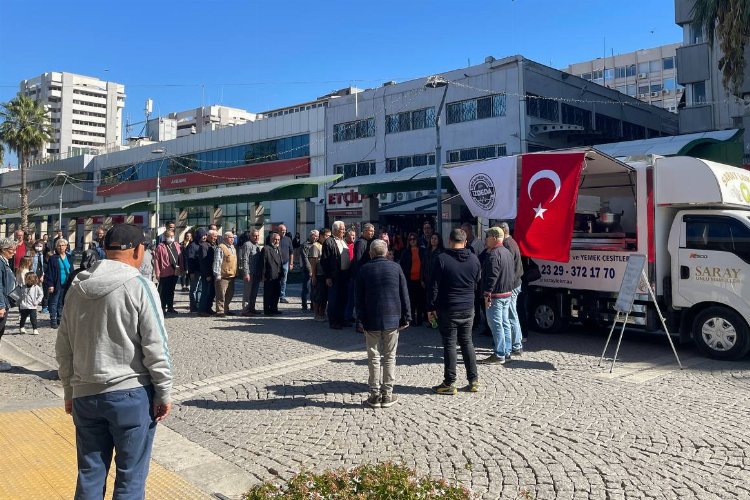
[
  {"x": 401, "y": 197},
  {"x": 642, "y": 96},
  {"x": 642, "y": 76},
  {"x": 655, "y": 94},
  {"x": 385, "y": 197},
  {"x": 665, "y": 91},
  {"x": 418, "y": 194}
]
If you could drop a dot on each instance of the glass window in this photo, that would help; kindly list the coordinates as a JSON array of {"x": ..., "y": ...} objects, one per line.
[
  {"x": 431, "y": 159},
  {"x": 498, "y": 105},
  {"x": 391, "y": 165},
  {"x": 620, "y": 72},
  {"x": 430, "y": 117},
  {"x": 699, "y": 92},
  {"x": 696, "y": 33},
  {"x": 404, "y": 120},
  {"x": 484, "y": 107},
  {"x": 656, "y": 87},
  {"x": 643, "y": 89},
  {"x": 609, "y": 74},
  {"x": 419, "y": 160},
  {"x": 474, "y": 109},
  {"x": 418, "y": 119},
  {"x": 453, "y": 156},
  {"x": 586, "y": 76},
  {"x": 404, "y": 162},
  {"x": 668, "y": 63},
  {"x": 486, "y": 152},
  {"x": 350, "y": 170},
  {"x": 643, "y": 67},
  {"x": 468, "y": 154},
  {"x": 631, "y": 70},
  {"x": 654, "y": 66},
  {"x": 632, "y": 89}
]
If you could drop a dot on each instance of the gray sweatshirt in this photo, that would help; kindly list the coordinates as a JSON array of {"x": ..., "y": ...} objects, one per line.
[{"x": 112, "y": 335}]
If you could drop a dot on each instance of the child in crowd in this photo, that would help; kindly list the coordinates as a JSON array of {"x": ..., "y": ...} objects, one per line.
[
  {"x": 23, "y": 268},
  {"x": 30, "y": 300}
]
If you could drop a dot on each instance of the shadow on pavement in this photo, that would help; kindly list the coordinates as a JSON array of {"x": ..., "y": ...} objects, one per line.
[
  {"x": 269, "y": 404},
  {"x": 43, "y": 374}
]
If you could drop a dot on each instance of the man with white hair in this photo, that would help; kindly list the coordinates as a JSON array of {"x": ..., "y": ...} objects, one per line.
[
  {"x": 336, "y": 263},
  {"x": 382, "y": 302},
  {"x": 225, "y": 270}
]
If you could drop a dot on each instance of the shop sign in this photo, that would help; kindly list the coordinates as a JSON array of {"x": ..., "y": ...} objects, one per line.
[{"x": 343, "y": 199}]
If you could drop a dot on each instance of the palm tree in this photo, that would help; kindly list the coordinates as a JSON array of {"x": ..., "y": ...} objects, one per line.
[
  {"x": 25, "y": 129},
  {"x": 727, "y": 21}
]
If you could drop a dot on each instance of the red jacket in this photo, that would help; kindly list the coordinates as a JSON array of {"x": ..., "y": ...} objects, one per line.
[{"x": 163, "y": 263}]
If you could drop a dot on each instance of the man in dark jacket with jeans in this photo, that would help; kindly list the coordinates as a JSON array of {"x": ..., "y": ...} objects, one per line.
[
  {"x": 455, "y": 276},
  {"x": 498, "y": 275},
  {"x": 382, "y": 302},
  {"x": 515, "y": 322}
]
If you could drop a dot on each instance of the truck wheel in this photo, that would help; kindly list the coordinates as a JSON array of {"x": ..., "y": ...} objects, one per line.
[
  {"x": 546, "y": 318},
  {"x": 721, "y": 333}
]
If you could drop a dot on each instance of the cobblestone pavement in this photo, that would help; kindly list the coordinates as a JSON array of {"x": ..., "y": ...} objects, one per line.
[{"x": 276, "y": 395}]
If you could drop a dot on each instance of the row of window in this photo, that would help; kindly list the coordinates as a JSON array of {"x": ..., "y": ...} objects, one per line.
[
  {"x": 90, "y": 124},
  {"x": 297, "y": 146},
  {"x": 542, "y": 107},
  {"x": 357, "y": 129},
  {"x": 399, "y": 163},
  {"x": 478, "y": 153},
  {"x": 644, "y": 67},
  {"x": 355, "y": 169},
  {"x": 86, "y": 132},
  {"x": 410, "y": 120},
  {"x": 475, "y": 109},
  {"x": 89, "y": 113},
  {"x": 87, "y": 103},
  {"x": 90, "y": 94},
  {"x": 86, "y": 143},
  {"x": 298, "y": 109}
]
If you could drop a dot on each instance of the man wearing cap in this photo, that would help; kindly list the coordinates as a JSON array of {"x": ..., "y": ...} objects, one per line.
[
  {"x": 515, "y": 322},
  {"x": 498, "y": 274},
  {"x": 115, "y": 367}
]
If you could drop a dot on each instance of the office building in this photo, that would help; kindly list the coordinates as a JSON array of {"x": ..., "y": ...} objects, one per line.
[
  {"x": 196, "y": 121},
  {"x": 646, "y": 74},
  {"x": 86, "y": 113}
]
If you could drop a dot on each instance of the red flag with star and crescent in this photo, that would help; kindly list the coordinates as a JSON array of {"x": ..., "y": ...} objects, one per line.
[{"x": 547, "y": 204}]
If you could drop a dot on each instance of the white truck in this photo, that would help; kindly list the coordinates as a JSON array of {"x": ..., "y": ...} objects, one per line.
[{"x": 690, "y": 217}]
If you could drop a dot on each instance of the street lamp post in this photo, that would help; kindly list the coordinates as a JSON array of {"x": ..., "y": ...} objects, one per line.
[
  {"x": 64, "y": 175},
  {"x": 434, "y": 82},
  {"x": 160, "y": 151}
]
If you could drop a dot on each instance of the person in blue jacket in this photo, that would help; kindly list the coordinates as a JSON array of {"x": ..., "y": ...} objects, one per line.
[{"x": 59, "y": 269}]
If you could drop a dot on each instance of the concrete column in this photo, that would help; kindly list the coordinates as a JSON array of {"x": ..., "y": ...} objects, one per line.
[
  {"x": 43, "y": 227},
  {"x": 306, "y": 221},
  {"x": 3, "y": 227},
  {"x": 370, "y": 209}
]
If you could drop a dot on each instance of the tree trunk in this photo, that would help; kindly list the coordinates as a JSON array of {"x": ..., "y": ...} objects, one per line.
[{"x": 24, "y": 193}]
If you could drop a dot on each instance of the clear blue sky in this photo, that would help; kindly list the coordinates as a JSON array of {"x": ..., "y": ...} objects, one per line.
[{"x": 259, "y": 55}]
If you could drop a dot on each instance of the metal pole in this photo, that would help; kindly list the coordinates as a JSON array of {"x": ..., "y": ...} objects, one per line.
[
  {"x": 158, "y": 196},
  {"x": 438, "y": 163},
  {"x": 59, "y": 214}
]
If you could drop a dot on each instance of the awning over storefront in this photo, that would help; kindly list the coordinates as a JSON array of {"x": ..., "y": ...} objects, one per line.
[
  {"x": 291, "y": 189},
  {"x": 14, "y": 215},
  {"x": 111, "y": 207},
  {"x": 408, "y": 179},
  {"x": 421, "y": 205}
]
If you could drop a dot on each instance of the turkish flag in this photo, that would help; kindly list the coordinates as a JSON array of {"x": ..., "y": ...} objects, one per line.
[{"x": 547, "y": 204}]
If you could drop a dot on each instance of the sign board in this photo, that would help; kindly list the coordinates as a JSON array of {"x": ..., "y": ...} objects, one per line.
[
  {"x": 597, "y": 270},
  {"x": 630, "y": 281},
  {"x": 343, "y": 199}
]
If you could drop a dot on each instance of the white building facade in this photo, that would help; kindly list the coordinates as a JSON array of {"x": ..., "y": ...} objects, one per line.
[
  {"x": 196, "y": 121},
  {"x": 647, "y": 74},
  {"x": 86, "y": 112}
]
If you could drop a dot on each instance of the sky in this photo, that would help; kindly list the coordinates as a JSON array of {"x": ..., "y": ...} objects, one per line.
[{"x": 261, "y": 55}]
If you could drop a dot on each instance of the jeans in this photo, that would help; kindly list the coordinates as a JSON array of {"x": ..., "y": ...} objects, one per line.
[
  {"x": 208, "y": 293},
  {"x": 515, "y": 323},
  {"x": 56, "y": 303},
  {"x": 121, "y": 421},
  {"x": 455, "y": 326},
  {"x": 285, "y": 265},
  {"x": 195, "y": 291},
  {"x": 382, "y": 374},
  {"x": 167, "y": 285},
  {"x": 305, "y": 296},
  {"x": 28, "y": 313},
  {"x": 499, "y": 320}
]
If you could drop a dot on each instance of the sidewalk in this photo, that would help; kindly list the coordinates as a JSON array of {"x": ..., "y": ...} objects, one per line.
[{"x": 38, "y": 460}]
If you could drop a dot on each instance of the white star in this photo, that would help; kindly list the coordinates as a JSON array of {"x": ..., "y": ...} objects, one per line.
[{"x": 539, "y": 211}]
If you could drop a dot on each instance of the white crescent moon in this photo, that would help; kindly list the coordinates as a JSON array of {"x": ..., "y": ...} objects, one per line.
[{"x": 545, "y": 174}]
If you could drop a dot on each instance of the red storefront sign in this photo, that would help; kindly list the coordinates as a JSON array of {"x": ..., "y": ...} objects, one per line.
[{"x": 295, "y": 166}]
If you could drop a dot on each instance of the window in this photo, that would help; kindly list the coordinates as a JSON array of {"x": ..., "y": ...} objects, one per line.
[
  {"x": 654, "y": 66},
  {"x": 667, "y": 63},
  {"x": 717, "y": 233},
  {"x": 632, "y": 89},
  {"x": 476, "y": 109},
  {"x": 669, "y": 84},
  {"x": 620, "y": 72},
  {"x": 402, "y": 162},
  {"x": 643, "y": 89},
  {"x": 597, "y": 74},
  {"x": 630, "y": 70},
  {"x": 656, "y": 87},
  {"x": 541, "y": 107},
  {"x": 586, "y": 76},
  {"x": 699, "y": 92},
  {"x": 480, "y": 153},
  {"x": 696, "y": 33},
  {"x": 609, "y": 74},
  {"x": 410, "y": 120},
  {"x": 354, "y": 130},
  {"x": 572, "y": 115},
  {"x": 643, "y": 67},
  {"x": 608, "y": 126}
]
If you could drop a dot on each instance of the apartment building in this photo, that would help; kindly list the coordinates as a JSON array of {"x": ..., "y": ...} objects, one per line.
[
  {"x": 86, "y": 112},
  {"x": 708, "y": 105},
  {"x": 646, "y": 74},
  {"x": 196, "y": 121}
]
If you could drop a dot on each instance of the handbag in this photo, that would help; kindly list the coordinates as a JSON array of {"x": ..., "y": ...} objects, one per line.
[{"x": 15, "y": 295}]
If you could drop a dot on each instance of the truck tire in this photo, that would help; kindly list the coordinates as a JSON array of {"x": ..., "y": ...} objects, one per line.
[
  {"x": 545, "y": 316},
  {"x": 721, "y": 333}
]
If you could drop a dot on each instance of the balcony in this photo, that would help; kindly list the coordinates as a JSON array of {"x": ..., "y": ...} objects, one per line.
[
  {"x": 697, "y": 118},
  {"x": 693, "y": 64},
  {"x": 683, "y": 11}
]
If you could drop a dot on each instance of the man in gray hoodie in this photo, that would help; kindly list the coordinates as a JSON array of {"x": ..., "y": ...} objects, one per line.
[{"x": 115, "y": 367}]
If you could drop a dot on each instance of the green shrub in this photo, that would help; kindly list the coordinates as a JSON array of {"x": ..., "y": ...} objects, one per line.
[{"x": 385, "y": 481}]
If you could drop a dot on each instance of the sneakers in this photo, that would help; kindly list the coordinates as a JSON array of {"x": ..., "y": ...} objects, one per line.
[
  {"x": 493, "y": 360},
  {"x": 387, "y": 401},
  {"x": 373, "y": 401},
  {"x": 35, "y": 332},
  {"x": 45, "y": 310},
  {"x": 284, "y": 300},
  {"x": 443, "y": 388},
  {"x": 516, "y": 352},
  {"x": 472, "y": 387},
  {"x": 4, "y": 366},
  {"x": 22, "y": 330}
]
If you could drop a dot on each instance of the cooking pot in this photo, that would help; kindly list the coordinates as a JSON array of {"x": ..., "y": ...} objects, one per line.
[{"x": 609, "y": 218}]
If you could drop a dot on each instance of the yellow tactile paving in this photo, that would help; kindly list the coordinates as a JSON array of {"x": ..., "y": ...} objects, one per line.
[{"x": 38, "y": 460}]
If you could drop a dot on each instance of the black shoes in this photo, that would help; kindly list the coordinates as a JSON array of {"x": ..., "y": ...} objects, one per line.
[{"x": 492, "y": 360}]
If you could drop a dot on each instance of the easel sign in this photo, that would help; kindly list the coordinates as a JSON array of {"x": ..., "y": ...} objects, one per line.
[{"x": 634, "y": 275}]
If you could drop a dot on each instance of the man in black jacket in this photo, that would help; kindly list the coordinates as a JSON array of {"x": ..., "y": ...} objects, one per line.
[
  {"x": 273, "y": 271},
  {"x": 362, "y": 255},
  {"x": 498, "y": 274},
  {"x": 382, "y": 302},
  {"x": 455, "y": 276},
  {"x": 193, "y": 264},
  {"x": 515, "y": 323},
  {"x": 208, "y": 291},
  {"x": 336, "y": 271}
]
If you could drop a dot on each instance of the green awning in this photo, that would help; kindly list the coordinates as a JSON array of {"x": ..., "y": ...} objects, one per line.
[
  {"x": 109, "y": 208},
  {"x": 408, "y": 179},
  {"x": 291, "y": 189}
]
